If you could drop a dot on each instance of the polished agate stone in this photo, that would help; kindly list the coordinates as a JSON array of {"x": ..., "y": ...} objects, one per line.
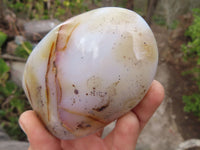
[{"x": 90, "y": 70}]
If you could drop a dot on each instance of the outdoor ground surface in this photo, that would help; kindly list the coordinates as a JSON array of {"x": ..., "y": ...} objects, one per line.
[
  {"x": 171, "y": 125},
  {"x": 178, "y": 85}
]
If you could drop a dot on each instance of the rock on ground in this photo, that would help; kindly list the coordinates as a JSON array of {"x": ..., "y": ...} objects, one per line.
[
  {"x": 192, "y": 143},
  {"x": 7, "y": 144},
  {"x": 13, "y": 145},
  {"x": 35, "y": 30},
  {"x": 17, "y": 70},
  {"x": 3, "y": 135}
]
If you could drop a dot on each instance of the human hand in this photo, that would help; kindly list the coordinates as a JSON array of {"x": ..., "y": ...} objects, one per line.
[{"x": 123, "y": 137}]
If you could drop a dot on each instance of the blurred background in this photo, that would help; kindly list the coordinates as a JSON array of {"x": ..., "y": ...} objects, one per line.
[{"x": 176, "y": 26}]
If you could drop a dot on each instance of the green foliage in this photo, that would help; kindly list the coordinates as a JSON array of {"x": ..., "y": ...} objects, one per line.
[
  {"x": 192, "y": 104},
  {"x": 191, "y": 52},
  {"x": 96, "y": 2},
  {"x": 17, "y": 6},
  {"x": 12, "y": 103},
  {"x": 192, "y": 48},
  {"x": 160, "y": 20},
  {"x": 8, "y": 88},
  {"x": 3, "y": 72},
  {"x": 39, "y": 9},
  {"x": 174, "y": 24},
  {"x": 24, "y": 50},
  {"x": 3, "y": 38},
  {"x": 120, "y": 3}
]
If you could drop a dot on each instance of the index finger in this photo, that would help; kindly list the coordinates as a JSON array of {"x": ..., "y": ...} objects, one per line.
[{"x": 145, "y": 109}]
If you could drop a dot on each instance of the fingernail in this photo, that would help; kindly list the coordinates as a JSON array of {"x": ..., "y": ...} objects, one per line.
[{"x": 22, "y": 126}]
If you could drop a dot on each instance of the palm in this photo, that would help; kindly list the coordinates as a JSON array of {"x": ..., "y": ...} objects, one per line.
[
  {"x": 92, "y": 142},
  {"x": 124, "y": 136},
  {"x": 125, "y": 129}
]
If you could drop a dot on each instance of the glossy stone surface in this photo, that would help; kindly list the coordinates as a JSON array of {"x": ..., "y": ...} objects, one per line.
[{"x": 90, "y": 70}]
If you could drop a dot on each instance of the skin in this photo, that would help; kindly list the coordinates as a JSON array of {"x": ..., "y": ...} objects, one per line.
[{"x": 124, "y": 136}]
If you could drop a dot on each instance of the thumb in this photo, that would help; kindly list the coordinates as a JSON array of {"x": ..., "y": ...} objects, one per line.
[{"x": 38, "y": 136}]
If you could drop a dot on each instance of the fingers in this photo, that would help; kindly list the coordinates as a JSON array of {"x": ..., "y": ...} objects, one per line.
[
  {"x": 89, "y": 142},
  {"x": 128, "y": 127},
  {"x": 38, "y": 136},
  {"x": 125, "y": 134},
  {"x": 145, "y": 109}
]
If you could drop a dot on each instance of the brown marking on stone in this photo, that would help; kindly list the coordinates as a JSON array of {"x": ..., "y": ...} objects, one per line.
[
  {"x": 149, "y": 51},
  {"x": 64, "y": 34},
  {"x": 116, "y": 83},
  {"x": 47, "y": 96},
  {"x": 101, "y": 94},
  {"x": 57, "y": 83},
  {"x": 74, "y": 100},
  {"x": 67, "y": 128},
  {"x": 70, "y": 34},
  {"x": 112, "y": 88},
  {"x": 47, "y": 80},
  {"x": 75, "y": 91},
  {"x": 65, "y": 125},
  {"x": 99, "y": 109},
  {"x": 83, "y": 125},
  {"x": 58, "y": 90},
  {"x": 28, "y": 90},
  {"x": 94, "y": 118},
  {"x": 94, "y": 82},
  {"x": 54, "y": 69}
]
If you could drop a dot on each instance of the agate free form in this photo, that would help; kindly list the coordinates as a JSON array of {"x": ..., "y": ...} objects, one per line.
[{"x": 90, "y": 70}]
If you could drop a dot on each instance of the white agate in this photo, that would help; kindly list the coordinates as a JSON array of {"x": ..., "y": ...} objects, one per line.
[{"x": 90, "y": 70}]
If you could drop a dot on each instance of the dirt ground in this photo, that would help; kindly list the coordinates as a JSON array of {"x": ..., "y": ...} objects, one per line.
[{"x": 169, "y": 47}]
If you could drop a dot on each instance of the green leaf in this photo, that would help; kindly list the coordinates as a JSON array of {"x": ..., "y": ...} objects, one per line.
[
  {"x": 2, "y": 113},
  {"x": 192, "y": 103},
  {"x": 19, "y": 104},
  {"x": 191, "y": 53},
  {"x": 4, "y": 68},
  {"x": 159, "y": 20},
  {"x": 24, "y": 50},
  {"x": 3, "y": 38},
  {"x": 8, "y": 89}
]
